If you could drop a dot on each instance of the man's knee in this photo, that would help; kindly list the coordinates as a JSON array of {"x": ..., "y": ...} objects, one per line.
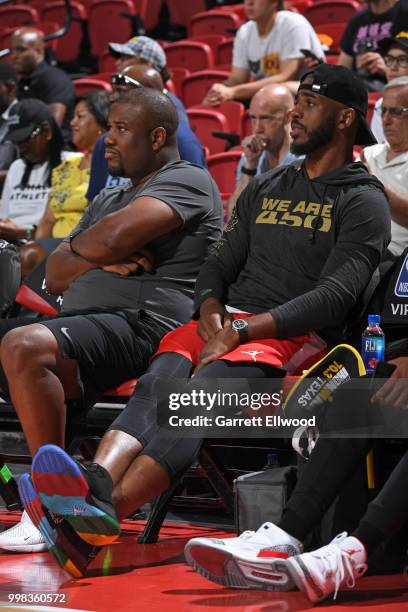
[{"x": 30, "y": 344}]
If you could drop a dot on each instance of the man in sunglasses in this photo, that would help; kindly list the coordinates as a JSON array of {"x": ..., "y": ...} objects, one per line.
[
  {"x": 130, "y": 77},
  {"x": 389, "y": 161},
  {"x": 395, "y": 56}
]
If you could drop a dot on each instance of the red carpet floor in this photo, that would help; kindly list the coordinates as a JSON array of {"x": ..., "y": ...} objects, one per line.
[{"x": 154, "y": 577}]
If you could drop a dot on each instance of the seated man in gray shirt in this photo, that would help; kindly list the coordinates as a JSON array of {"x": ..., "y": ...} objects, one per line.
[{"x": 114, "y": 313}]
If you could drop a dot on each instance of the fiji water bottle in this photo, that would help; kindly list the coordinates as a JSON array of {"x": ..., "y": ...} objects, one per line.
[{"x": 372, "y": 343}]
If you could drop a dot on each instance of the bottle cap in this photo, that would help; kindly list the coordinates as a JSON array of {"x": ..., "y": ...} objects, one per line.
[{"x": 374, "y": 319}]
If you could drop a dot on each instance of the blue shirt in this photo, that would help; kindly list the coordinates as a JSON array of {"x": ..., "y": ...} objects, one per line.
[
  {"x": 189, "y": 147},
  {"x": 263, "y": 163}
]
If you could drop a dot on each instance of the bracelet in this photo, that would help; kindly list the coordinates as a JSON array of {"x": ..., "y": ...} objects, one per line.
[{"x": 248, "y": 171}]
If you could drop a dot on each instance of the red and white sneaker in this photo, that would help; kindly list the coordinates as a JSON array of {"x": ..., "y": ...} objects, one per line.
[
  {"x": 326, "y": 570},
  {"x": 254, "y": 560}
]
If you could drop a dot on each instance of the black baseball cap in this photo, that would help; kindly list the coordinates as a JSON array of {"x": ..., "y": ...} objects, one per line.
[
  {"x": 25, "y": 116},
  {"x": 400, "y": 39},
  {"x": 345, "y": 86}
]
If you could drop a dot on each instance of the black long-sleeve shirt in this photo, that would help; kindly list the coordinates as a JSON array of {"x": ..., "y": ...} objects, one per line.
[{"x": 303, "y": 249}]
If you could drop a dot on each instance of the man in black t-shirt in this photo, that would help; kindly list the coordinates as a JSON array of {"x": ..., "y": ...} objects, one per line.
[
  {"x": 38, "y": 79},
  {"x": 361, "y": 38},
  {"x": 299, "y": 250},
  {"x": 116, "y": 307}
]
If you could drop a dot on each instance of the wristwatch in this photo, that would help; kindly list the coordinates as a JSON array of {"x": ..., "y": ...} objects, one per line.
[
  {"x": 29, "y": 231},
  {"x": 241, "y": 327},
  {"x": 249, "y": 171}
]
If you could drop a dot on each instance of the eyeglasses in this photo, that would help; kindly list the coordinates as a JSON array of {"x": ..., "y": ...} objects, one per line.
[
  {"x": 396, "y": 60},
  {"x": 395, "y": 111},
  {"x": 123, "y": 80}
]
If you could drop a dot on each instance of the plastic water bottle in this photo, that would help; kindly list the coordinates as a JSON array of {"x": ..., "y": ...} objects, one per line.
[
  {"x": 272, "y": 461},
  {"x": 372, "y": 343}
]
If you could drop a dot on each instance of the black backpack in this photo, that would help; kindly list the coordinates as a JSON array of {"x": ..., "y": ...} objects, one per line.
[{"x": 10, "y": 275}]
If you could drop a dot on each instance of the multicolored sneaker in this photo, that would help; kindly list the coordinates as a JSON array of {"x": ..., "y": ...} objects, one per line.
[
  {"x": 324, "y": 571},
  {"x": 80, "y": 493},
  {"x": 254, "y": 560},
  {"x": 70, "y": 552}
]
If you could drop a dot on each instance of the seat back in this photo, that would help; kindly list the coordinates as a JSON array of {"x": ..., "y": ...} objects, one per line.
[
  {"x": 177, "y": 76},
  {"x": 214, "y": 22},
  {"x": 69, "y": 45},
  {"x": 334, "y": 30},
  {"x": 190, "y": 54},
  {"x": 109, "y": 20},
  {"x": 332, "y": 11},
  {"x": 195, "y": 87},
  {"x": 222, "y": 167},
  {"x": 85, "y": 85},
  {"x": 18, "y": 15},
  {"x": 223, "y": 57},
  {"x": 204, "y": 122}
]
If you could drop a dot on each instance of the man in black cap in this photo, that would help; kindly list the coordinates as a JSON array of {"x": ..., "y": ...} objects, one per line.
[
  {"x": 8, "y": 89},
  {"x": 277, "y": 289}
]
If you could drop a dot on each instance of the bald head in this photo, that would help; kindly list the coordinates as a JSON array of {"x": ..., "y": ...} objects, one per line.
[
  {"x": 145, "y": 74},
  {"x": 277, "y": 97},
  {"x": 269, "y": 113},
  {"x": 27, "y": 49}
]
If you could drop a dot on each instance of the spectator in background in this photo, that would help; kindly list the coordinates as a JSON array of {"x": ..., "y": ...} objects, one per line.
[
  {"x": 134, "y": 76},
  {"x": 27, "y": 185},
  {"x": 40, "y": 80},
  {"x": 389, "y": 161},
  {"x": 145, "y": 50},
  {"x": 8, "y": 90},
  {"x": 360, "y": 42},
  {"x": 395, "y": 53},
  {"x": 268, "y": 48},
  {"x": 268, "y": 145},
  {"x": 69, "y": 181}
]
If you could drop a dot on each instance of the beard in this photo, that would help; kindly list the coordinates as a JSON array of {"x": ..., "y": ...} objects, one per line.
[
  {"x": 116, "y": 169},
  {"x": 320, "y": 137}
]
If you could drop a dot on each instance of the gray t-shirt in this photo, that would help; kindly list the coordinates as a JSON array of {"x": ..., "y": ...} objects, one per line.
[{"x": 166, "y": 292}]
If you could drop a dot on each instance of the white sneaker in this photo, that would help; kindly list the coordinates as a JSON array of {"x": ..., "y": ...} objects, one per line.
[
  {"x": 23, "y": 537},
  {"x": 254, "y": 560},
  {"x": 324, "y": 571}
]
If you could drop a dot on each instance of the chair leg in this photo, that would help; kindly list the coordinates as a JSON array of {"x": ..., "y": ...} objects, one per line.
[{"x": 158, "y": 513}]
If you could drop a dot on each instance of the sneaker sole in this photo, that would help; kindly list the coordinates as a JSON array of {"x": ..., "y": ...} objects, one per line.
[
  {"x": 65, "y": 491},
  {"x": 32, "y": 505},
  {"x": 301, "y": 577},
  {"x": 222, "y": 568}
]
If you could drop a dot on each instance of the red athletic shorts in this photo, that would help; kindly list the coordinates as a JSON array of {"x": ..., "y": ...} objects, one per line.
[{"x": 291, "y": 354}]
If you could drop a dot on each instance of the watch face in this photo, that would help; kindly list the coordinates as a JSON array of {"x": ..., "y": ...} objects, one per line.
[{"x": 239, "y": 324}]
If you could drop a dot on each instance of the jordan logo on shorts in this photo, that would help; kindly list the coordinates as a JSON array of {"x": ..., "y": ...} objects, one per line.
[{"x": 252, "y": 354}]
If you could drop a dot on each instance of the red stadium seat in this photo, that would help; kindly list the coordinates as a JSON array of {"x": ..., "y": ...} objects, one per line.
[
  {"x": 106, "y": 62},
  {"x": 150, "y": 16},
  {"x": 224, "y": 53},
  {"x": 222, "y": 167},
  {"x": 85, "y": 85},
  {"x": 238, "y": 9},
  {"x": 332, "y": 58},
  {"x": 190, "y": 54},
  {"x": 233, "y": 111},
  {"x": 195, "y": 87},
  {"x": 334, "y": 30},
  {"x": 102, "y": 76},
  {"x": 177, "y": 76},
  {"x": 50, "y": 27},
  {"x": 300, "y": 5},
  {"x": 212, "y": 40},
  {"x": 181, "y": 11},
  {"x": 68, "y": 46},
  {"x": 18, "y": 15},
  {"x": 109, "y": 20},
  {"x": 214, "y": 22},
  {"x": 246, "y": 129},
  {"x": 332, "y": 11},
  {"x": 206, "y": 121},
  {"x": 370, "y": 110}
]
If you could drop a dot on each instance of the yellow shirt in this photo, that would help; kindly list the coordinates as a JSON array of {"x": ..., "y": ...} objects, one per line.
[{"x": 67, "y": 195}]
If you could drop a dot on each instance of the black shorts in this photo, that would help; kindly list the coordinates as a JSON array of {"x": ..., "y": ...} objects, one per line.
[{"x": 110, "y": 348}]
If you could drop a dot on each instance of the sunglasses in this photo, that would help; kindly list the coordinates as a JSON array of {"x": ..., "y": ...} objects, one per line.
[{"x": 123, "y": 80}]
